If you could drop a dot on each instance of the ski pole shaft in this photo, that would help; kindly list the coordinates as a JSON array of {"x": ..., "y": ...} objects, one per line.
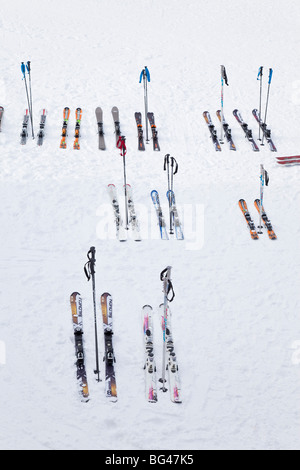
[
  {"x": 145, "y": 75},
  {"x": 267, "y": 102},
  {"x": 259, "y": 77},
  {"x": 30, "y": 93}
]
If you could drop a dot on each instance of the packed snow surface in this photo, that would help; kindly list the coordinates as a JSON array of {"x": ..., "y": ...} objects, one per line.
[{"x": 236, "y": 312}]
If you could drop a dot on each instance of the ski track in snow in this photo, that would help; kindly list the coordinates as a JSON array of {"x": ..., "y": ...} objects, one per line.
[{"x": 235, "y": 315}]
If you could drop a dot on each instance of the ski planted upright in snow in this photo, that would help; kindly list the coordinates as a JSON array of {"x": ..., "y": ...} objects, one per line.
[
  {"x": 1, "y": 117},
  {"x": 150, "y": 366},
  {"x": 138, "y": 119},
  {"x": 265, "y": 219},
  {"x": 250, "y": 223},
  {"x": 212, "y": 130},
  {"x": 265, "y": 130},
  {"x": 109, "y": 356},
  {"x": 227, "y": 130},
  {"x": 116, "y": 118},
  {"x": 99, "y": 117},
  {"x": 41, "y": 132},
  {"x": 174, "y": 212},
  {"x": 248, "y": 132},
  {"x": 120, "y": 231},
  {"x": 132, "y": 215},
  {"x": 154, "y": 131},
  {"x": 76, "y": 308},
  {"x": 24, "y": 132},
  {"x": 78, "y": 115},
  {"x": 159, "y": 213},
  {"x": 171, "y": 360},
  {"x": 66, "y": 114}
]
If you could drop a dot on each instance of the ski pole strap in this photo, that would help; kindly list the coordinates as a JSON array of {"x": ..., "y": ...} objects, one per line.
[
  {"x": 260, "y": 72},
  {"x": 168, "y": 286},
  {"x": 89, "y": 267},
  {"x": 121, "y": 145},
  {"x": 28, "y": 66},
  {"x": 166, "y": 161},
  {"x": 174, "y": 164}
]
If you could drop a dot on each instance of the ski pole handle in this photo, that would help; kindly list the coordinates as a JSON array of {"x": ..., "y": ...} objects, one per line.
[
  {"x": 23, "y": 69},
  {"x": 270, "y": 76},
  {"x": 28, "y": 66},
  {"x": 260, "y": 72},
  {"x": 145, "y": 73}
]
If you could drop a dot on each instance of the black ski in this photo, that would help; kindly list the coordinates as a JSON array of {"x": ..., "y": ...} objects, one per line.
[
  {"x": 24, "y": 133},
  {"x": 99, "y": 117},
  {"x": 248, "y": 132},
  {"x": 212, "y": 130},
  {"x": 41, "y": 132},
  {"x": 227, "y": 130},
  {"x": 154, "y": 132},
  {"x": 109, "y": 357},
  {"x": 138, "y": 119},
  {"x": 76, "y": 308},
  {"x": 116, "y": 118},
  {"x": 265, "y": 130}
]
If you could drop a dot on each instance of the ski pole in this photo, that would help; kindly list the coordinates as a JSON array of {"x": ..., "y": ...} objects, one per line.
[
  {"x": 264, "y": 180},
  {"x": 122, "y": 146},
  {"x": 28, "y": 67},
  {"x": 223, "y": 78},
  {"x": 259, "y": 77},
  {"x": 145, "y": 75},
  {"x": 26, "y": 88},
  {"x": 171, "y": 172},
  {"x": 89, "y": 269},
  {"x": 169, "y": 294},
  {"x": 267, "y": 103}
]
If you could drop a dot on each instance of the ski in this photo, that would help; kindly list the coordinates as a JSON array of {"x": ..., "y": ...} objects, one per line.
[
  {"x": 171, "y": 360},
  {"x": 150, "y": 366},
  {"x": 173, "y": 208},
  {"x": 1, "y": 117},
  {"x": 116, "y": 118},
  {"x": 289, "y": 160},
  {"x": 138, "y": 119},
  {"x": 78, "y": 115},
  {"x": 109, "y": 357},
  {"x": 76, "y": 308},
  {"x": 99, "y": 117},
  {"x": 66, "y": 115},
  {"x": 227, "y": 130},
  {"x": 265, "y": 219},
  {"x": 251, "y": 226},
  {"x": 132, "y": 215},
  {"x": 293, "y": 157},
  {"x": 159, "y": 213},
  {"x": 248, "y": 132},
  {"x": 120, "y": 231},
  {"x": 212, "y": 130},
  {"x": 154, "y": 132},
  {"x": 41, "y": 132},
  {"x": 24, "y": 133},
  {"x": 265, "y": 130}
]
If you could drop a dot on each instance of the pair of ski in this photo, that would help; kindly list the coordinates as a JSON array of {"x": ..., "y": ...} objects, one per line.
[
  {"x": 121, "y": 231},
  {"x": 254, "y": 235},
  {"x": 141, "y": 144},
  {"x": 248, "y": 132},
  {"x": 109, "y": 357},
  {"x": 173, "y": 214},
  {"x": 150, "y": 364},
  {"x": 64, "y": 133},
  {"x": 41, "y": 132},
  {"x": 213, "y": 131},
  {"x": 293, "y": 160}
]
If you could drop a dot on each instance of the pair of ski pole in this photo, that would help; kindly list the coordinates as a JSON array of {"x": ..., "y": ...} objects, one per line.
[
  {"x": 29, "y": 95},
  {"x": 259, "y": 77}
]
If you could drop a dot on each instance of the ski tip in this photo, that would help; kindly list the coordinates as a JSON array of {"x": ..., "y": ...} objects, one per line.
[
  {"x": 147, "y": 306},
  {"x": 111, "y": 184}
]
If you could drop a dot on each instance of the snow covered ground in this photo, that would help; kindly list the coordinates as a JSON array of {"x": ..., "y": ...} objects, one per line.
[{"x": 236, "y": 311}]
